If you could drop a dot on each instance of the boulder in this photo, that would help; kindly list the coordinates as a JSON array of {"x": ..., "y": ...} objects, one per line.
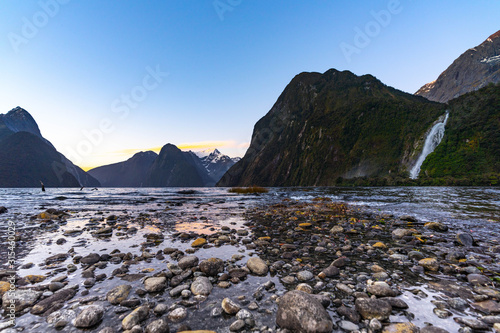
[
  {"x": 188, "y": 262},
  {"x": 212, "y": 266},
  {"x": 118, "y": 294},
  {"x": 155, "y": 284},
  {"x": 257, "y": 266},
  {"x": 21, "y": 298},
  {"x": 301, "y": 312},
  {"x": 201, "y": 286},
  {"x": 135, "y": 317},
  {"x": 370, "y": 308},
  {"x": 90, "y": 316}
]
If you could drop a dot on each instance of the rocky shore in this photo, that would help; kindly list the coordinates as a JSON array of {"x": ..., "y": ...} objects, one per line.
[{"x": 295, "y": 266}]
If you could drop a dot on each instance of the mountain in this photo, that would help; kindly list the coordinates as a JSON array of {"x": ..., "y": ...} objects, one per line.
[
  {"x": 175, "y": 168},
  {"x": 26, "y": 159},
  {"x": 25, "y": 165},
  {"x": 470, "y": 148},
  {"x": 130, "y": 173},
  {"x": 473, "y": 70},
  {"x": 216, "y": 163},
  {"x": 325, "y": 127}
]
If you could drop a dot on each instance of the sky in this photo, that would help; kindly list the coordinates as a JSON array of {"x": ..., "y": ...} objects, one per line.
[{"x": 105, "y": 79}]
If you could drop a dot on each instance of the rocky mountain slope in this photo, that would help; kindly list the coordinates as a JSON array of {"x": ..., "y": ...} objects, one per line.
[
  {"x": 130, "y": 173},
  {"x": 28, "y": 159},
  {"x": 473, "y": 70},
  {"x": 335, "y": 125}
]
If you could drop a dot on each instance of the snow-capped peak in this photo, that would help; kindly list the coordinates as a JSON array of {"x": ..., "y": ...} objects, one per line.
[{"x": 205, "y": 152}]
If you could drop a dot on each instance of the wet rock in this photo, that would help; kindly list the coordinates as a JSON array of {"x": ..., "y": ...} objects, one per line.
[
  {"x": 178, "y": 290},
  {"x": 90, "y": 316},
  {"x": 408, "y": 218},
  {"x": 349, "y": 313},
  {"x": 158, "y": 326},
  {"x": 161, "y": 308},
  {"x": 370, "y": 308},
  {"x": 177, "y": 315},
  {"x": 237, "y": 326},
  {"x": 239, "y": 273},
  {"x": 396, "y": 302},
  {"x": 436, "y": 226},
  {"x": 375, "y": 325},
  {"x": 188, "y": 262},
  {"x": 458, "y": 304},
  {"x": 478, "y": 280},
  {"x": 301, "y": 312},
  {"x": 381, "y": 289},
  {"x": 90, "y": 259},
  {"x": 487, "y": 306},
  {"x": 305, "y": 276},
  {"x": 490, "y": 320},
  {"x": 429, "y": 264},
  {"x": 441, "y": 313},
  {"x": 465, "y": 239},
  {"x": 212, "y": 266},
  {"x": 344, "y": 288},
  {"x": 340, "y": 262},
  {"x": 178, "y": 279},
  {"x": 21, "y": 298},
  {"x": 229, "y": 306},
  {"x": 305, "y": 288},
  {"x": 201, "y": 286},
  {"x": 107, "y": 330},
  {"x": 199, "y": 242},
  {"x": 55, "y": 286},
  {"x": 155, "y": 284},
  {"x": 379, "y": 245},
  {"x": 455, "y": 255},
  {"x": 60, "y": 257},
  {"x": 3, "y": 210},
  {"x": 433, "y": 329},
  {"x": 130, "y": 303},
  {"x": 257, "y": 266},
  {"x": 337, "y": 230},
  {"x": 61, "y": 317},
  {"x": 415, "y": 255},
  {"x": 348, "y": 326},
  {"x": 488, "y": 292},
  {"x": 329, "y": 272},
  {"x": 472, "y": 323},
  {"x": 401, "y": 328},
  {"x": 118, "y": 294},
  {"x": 400, "y": 233},
  {"x": 135, "y": 317},
  {"x": 54, "y": 302}
]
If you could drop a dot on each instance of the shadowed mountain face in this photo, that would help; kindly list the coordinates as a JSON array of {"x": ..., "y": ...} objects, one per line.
[
  {"x": 25, "y": 153},
  {"x": 473, "y": 70},
  {"x": 174, "y": 168},
  {"x": 26, "y": 159},
  {"x": 332, "y": 125},
  {"x": 130, "y": 173}
]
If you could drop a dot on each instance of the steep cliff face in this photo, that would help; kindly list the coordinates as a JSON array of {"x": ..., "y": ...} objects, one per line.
[
  {"x": 473, "y": 70},
  {"x": 331, "y": 125},
  {"x": 130, "y": 173}
]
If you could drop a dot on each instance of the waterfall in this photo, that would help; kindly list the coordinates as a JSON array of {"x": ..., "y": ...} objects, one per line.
[{"x": 431, "y": 142}]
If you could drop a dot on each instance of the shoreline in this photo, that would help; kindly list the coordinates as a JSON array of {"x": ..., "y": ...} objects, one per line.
[{"x": 342, "y": 254}]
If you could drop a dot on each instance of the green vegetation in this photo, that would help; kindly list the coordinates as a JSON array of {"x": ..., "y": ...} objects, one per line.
[
  {"x": 248, "y": 190},
  {"x": 470, "y": 151}
]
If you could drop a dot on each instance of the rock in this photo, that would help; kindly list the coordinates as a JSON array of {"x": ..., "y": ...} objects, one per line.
[
  {"x": 3, "y": 210},
  {"x": 375, "y": 325},
  {"x": 118, "y": 294},
  {"x": 457, "y": 303},
  {"x": 158, "y": 326},
  {"x": 177, "y": 315},
  {"x": 56, "y": 258},
  {"x": 188, "y": 262},
  {"x": 433, "y": 329},
  {"x": 155, "y": 284},
  {"x": 348, "y": 326},
  {"x": 237, "y": 325},
  {"x": 201, "y": 286},
  {"x": 301, "y": 312},
  {"x": 396, "y": 302},
  {"x": 465, "y": 239},
  {"x": 199, "y": 242},
  {"x": 349, "y": 313},
  {"x": 340, "y": 262},
  {"x": 90, "y": 316},
  {"x": 344, "y": 288},
  {"x": 178, "y": 290},
  {"x": 436, "y": 226},
  {"x": 135, "y": 317},
  {"x": 487, "y": 307},
  {"x": 257, "y": 266},
  {"x": 107, "y": 330},
  {"x": 305, "y": 288},
  {"x": 379, "y": 245},
  {"x": 381, "y": 289},
  {"x": 54, "y": 302},
  {"x": 472, "y": 323},
  {"x": 478, "y": 280},
  {"x": 33, "y": 279},
  {"x": 400, "y": 233},
  {"x": 161, "y": 308},
  {"x": 370, "y": 308},
  {"x": 337, "y": 230},
  {"x": 4, "y": 287},
  {"x": 331, "y": 271},
  {"x": 21, "y": 298},
  {"x": 55, "y": 286},
  {"x": 288, "y": 279},
  {"x": 401, "y": 328},
  {"x": 305, "y": 276},
  {"x": 229, "y": 306},
  {"x": 90, "y": 259},
  {"x": 239, "y": 273},
  {"x": 496, "y": 327},
  {"x": 415, "y": 255},
  {"x": 429, "y": 264}
]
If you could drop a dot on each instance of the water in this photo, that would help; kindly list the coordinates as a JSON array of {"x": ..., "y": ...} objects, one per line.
[
  {"x": 431, "y": 142},
  {"x": 208, "y": 210}
]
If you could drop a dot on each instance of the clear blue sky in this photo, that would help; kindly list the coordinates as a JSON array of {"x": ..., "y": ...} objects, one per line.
[{"x": 226, "y": 67}]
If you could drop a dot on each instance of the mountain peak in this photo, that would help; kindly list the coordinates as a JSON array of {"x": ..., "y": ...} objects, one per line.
[
  {"x": 20, "y": 120},
  {"x": 495, "y": 35}
]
